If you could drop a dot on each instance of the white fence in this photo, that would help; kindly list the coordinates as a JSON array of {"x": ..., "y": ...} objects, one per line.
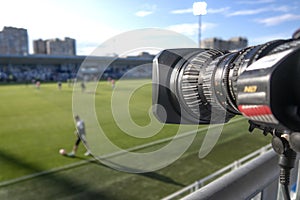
[{"x": 200, "y": 183}]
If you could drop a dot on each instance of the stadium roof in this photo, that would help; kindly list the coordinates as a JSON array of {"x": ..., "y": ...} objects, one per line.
[{"x": 58, "y": 59}]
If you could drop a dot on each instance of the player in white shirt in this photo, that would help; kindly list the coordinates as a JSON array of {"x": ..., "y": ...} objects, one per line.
[{"x": 81, "y": 136}]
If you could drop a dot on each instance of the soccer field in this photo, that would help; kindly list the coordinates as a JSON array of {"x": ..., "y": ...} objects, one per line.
[{"x": 35, "y": 124}]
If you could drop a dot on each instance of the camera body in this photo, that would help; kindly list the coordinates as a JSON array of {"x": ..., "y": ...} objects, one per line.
[{"x": 210, "y": 86}]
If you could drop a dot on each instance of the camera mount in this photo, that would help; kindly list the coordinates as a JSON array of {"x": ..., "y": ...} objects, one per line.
[{"x": 287, "y": 155}]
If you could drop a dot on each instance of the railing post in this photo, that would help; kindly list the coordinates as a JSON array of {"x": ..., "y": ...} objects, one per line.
[
  {"x": 263, "y": 150},
  {"x": 201, "y": 183},
  {"x": 236, "y": 164},
  {"x": 196, "y": 185}
]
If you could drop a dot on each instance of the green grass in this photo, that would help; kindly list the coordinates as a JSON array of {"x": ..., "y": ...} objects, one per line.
[{"x": 35, "y": 124}]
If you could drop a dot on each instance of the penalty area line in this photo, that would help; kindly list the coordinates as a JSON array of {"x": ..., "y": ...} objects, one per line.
[{"x": 34, "y": 175}]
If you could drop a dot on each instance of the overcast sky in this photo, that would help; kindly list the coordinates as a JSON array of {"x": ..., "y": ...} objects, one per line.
[{"x": 91, "y": 22}]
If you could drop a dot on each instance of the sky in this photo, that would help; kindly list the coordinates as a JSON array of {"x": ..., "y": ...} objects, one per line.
[{"x": 91, "y": 22}]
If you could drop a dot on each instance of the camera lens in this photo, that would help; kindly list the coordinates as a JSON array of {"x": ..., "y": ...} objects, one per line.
[{"x": 206, "y": 82}]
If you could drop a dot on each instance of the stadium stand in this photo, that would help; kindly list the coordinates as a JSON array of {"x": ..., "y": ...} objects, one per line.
[{"x": 20, "y": 69}]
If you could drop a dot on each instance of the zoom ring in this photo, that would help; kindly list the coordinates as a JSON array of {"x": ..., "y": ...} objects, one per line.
[
  {"x": 193, "y": 82},
  {"x": 189, "y": 87}
]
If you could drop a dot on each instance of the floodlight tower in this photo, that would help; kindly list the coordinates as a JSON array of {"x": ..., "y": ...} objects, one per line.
[{"x": 199, "y": 8}]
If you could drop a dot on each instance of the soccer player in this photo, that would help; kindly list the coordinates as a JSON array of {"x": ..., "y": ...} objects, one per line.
[
  {"x": 82, "y": 86},
  {"x": 38, "y": 85},
  {"x": 59, "y": 84},
  {"x": 81, "y": 136},
  {"x": 113, "y": 83}
]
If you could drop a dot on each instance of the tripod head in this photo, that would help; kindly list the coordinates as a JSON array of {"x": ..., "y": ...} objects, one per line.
[
  {"x": 289, "y": 137},
  {"x": 285, "y": 144}
]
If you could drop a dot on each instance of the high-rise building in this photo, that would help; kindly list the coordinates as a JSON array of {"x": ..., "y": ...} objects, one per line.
[
  {"x": 234, "y": 43},
  {"x": 56, "y": 46},
  {"x": 13, "y": 41},
  {"x": 39, "y": 46}
]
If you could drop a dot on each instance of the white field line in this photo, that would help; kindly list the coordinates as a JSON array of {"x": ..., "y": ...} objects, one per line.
[
  {"x": 162, "y": 140},
  {"x": 65, "y": 167},
  {"x": 30, "y": 176}
]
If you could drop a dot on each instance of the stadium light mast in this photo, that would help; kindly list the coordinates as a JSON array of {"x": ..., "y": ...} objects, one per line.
[{"x": 199, "y": 8}]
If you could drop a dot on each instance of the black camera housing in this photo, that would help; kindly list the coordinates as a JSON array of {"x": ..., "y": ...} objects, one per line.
[{"x": 209, "y": 86}]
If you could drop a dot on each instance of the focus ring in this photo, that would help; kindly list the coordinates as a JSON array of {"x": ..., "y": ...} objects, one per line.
[
  {"x": 208, "y": 85},
  {"x": 236, "y": 71}
]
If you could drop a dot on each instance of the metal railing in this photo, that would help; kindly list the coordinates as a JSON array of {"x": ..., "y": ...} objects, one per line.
[{"x": 254, "y": 176}]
